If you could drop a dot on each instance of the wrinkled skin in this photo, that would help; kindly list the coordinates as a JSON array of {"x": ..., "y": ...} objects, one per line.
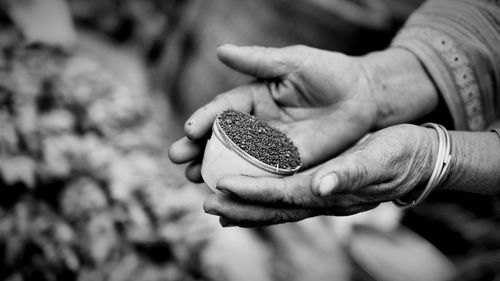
[
  {"x": 325, "y": 102},
  {"x": 321, "y": 100},
  {"x": 385, "y": 166}
]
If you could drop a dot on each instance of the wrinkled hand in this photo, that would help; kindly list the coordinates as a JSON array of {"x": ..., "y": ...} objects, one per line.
[
  {"x": 385, "y": 166},
  {"x": 322, "y": 100}
]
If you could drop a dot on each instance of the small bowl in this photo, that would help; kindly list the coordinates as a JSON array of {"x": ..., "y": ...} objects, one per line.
[{"x": 225, "y": 158}]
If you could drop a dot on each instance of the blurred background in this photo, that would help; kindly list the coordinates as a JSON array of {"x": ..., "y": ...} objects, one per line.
[{"x": 93, "y": 92}]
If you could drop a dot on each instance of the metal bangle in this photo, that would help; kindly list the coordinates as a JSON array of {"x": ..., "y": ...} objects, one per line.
[{"x": 441, "y": 167}]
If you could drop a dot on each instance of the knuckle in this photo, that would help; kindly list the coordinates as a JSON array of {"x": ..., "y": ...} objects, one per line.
[
  {"x": 282, "y": 216},
  {"x": 279, "y": 217},
  {"x": 286, "y": 194},
  {"x": 357, "y": 172},
  {"x": 272, "y": 195},
  {"x": 267, "y": 190},
  {"x": 221, "y": 99},
  {"x": 274, "y": 88},
  {"x": 314, "y": 203}
]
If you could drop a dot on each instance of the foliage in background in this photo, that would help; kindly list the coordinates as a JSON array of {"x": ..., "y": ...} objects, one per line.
[{"x": 84, "y": 193}]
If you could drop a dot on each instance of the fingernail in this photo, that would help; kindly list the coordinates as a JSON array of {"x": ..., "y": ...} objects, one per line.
[
  {"x": 227, "y": 224},
  {"x": 224, "y": 190},
  {"x": 211, "y": 212},
  {"x": 328, "y": 184}
]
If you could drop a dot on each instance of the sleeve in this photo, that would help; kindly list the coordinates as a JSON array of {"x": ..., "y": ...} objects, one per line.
[{"x": 458, "y": 42}]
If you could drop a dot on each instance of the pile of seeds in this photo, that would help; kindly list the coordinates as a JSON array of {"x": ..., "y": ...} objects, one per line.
[{"x": 260, "y": 140}]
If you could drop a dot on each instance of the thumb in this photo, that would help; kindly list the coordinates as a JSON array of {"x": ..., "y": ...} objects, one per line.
[
  {"x": 261, "y": 62},
  {"x": 346, "y": 174}
]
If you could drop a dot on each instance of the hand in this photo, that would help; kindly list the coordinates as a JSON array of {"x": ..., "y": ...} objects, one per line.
[
  {"x": 388, "y": 164},
  {"x": 322, "y": 100}
]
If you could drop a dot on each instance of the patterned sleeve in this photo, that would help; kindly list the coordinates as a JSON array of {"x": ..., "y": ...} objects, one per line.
[{"x": 458, "y": 42}]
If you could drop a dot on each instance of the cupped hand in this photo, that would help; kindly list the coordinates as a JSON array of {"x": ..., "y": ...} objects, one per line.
[
  {"x": 322, "y": 100},
  {"x": 388, "y": 164}
]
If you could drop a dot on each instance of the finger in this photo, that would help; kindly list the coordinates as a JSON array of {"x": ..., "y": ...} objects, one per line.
[
  {"x": 225, "y": 222},
  {"x": 233, "y": 212},
  {"x": 239, "y": 99},
  {"x": 352, "y": 209},
  {"x": 193, "y": 172},
  {"x": 184, "y": 150},
  {"x": 292, "y": 190},
  {"x": 285, "y": 93},
  {"x": 292, "y": 215},
  {"x": 245, "y": 214},
  {"x": 349, "y": 173},
  {"x": 261, "y": 62}
]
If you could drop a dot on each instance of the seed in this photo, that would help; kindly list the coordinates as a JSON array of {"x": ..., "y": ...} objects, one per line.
[{"x": 259, "y": 139}]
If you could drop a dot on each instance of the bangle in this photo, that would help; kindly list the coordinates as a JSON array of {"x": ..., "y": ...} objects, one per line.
[{"x": 441, "y": 167}]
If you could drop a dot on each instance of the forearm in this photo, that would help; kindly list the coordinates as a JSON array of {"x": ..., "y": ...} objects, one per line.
[
  {"x": 457, "y": 43},
  {"x": 475, "y": 164},
  {"x": 401, "y": 86}
]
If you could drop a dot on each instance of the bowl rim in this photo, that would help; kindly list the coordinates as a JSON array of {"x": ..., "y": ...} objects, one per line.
[{"x": 224, "y": 138}]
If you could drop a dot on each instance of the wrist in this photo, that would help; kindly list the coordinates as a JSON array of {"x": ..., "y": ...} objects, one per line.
[
  {"x": 423, "y": 143},
  {"x": 402, "y": 88},
  {"x": 430, "y": 148}
]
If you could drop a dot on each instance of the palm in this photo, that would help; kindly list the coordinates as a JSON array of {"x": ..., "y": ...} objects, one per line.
[
  {"x": 322, "y": 109},
  {"x": 319, "y": 99}
]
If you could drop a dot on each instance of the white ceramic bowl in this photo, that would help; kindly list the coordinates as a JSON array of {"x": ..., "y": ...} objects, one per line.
[{"x": 224, "y": 158}]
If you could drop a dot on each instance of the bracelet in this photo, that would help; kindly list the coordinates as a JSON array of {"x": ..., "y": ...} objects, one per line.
[{"x": 441, "y": 167}]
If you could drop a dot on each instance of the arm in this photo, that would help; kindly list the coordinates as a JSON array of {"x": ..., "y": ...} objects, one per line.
[
  {"x": 387, "y": 165},
  {"x": 457, "y": 43},
  {"x": 476, "y": 163}
]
